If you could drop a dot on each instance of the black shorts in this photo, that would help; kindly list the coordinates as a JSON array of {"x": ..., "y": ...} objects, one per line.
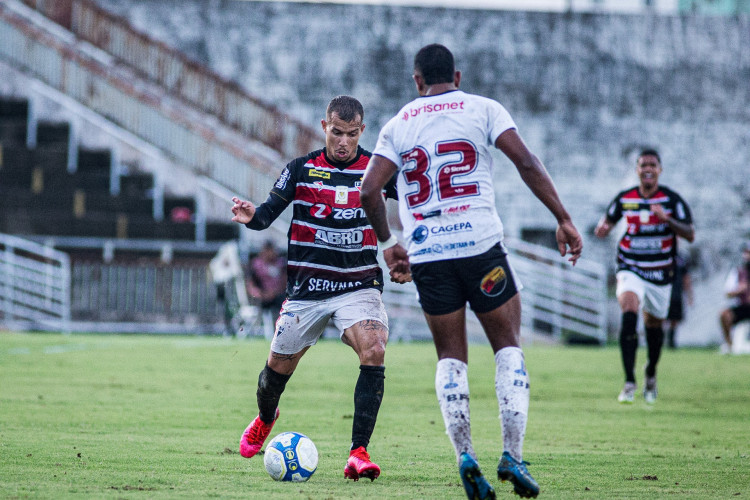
[
  {"x": 741, "y": 313},
  {"x": 675, "y": 311},
  {"x": 485, "y": 281}
]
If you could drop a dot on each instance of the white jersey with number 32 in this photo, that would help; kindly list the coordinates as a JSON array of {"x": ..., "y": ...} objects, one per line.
[{"x": 441, "y": 145}]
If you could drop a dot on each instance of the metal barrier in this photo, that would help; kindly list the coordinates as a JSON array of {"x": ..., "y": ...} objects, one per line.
[
  {"x": 560, "y": 301},
  {"x": 34, "y": 285},
  {"x": 41, "y": 289},
  {"x": 144, "y": 293}
]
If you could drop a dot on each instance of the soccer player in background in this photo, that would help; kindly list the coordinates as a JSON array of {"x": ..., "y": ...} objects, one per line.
[
  {"x": 737, "y": 289},
  {"x": 439, "y": 146},
  {"x": 655, "y": 216},
  {"x": 332, "y": 272}
]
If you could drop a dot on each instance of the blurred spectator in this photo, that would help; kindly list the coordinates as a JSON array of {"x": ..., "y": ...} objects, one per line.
[
  {"x": 180, "y": 214},
  {"x": 682, "y": 288},
  {"x": 267, "y": 282},
  {"x": 737, "y": 288}
]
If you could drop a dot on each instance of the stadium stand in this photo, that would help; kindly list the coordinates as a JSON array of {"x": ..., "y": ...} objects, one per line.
[
  {"x": 588, "y": 90},
  {"x": 42, "y": 197},
  {"x": 150, "y": 272}
]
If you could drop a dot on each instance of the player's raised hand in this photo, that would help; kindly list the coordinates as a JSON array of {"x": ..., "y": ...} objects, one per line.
[
  {"x": 569, "y": 241},
  {"x": 398, "y": 264},
  {"x": 243, "y": 211}
]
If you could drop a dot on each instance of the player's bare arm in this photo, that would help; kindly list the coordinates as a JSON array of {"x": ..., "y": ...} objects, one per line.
[
  {"x": 243, "y": 211},
  {"x": 681, "y": 229},
  {"x": 379, "y": 172},
  {"x": 603, "y": 227},
  {"x": 535, "y": 176}
]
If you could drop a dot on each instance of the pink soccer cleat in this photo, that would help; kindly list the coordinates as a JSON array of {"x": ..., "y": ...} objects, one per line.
[
  {"x": 255, "y": 435},
  {"x": 359, "y": 465}
]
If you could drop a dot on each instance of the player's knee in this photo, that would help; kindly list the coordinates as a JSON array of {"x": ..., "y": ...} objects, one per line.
[{"x": 374, "y": 353}]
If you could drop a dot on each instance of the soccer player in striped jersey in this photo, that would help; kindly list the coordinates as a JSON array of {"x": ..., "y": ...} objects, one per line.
[
  {"x": 655, "y": 216},
  {"x": 439, "y": 146},
  {"x": 333, "y": 274}
]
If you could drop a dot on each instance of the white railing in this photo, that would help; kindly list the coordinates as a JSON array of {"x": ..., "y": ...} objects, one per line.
[
  {"x": 34, "y": 285},
  {"x": 560, "y": 301}
]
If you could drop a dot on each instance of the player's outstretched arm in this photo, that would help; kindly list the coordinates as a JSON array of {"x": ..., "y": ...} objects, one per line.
[
  {"x": 535, "y": 176},
  {"x": 243, "y": 211}
]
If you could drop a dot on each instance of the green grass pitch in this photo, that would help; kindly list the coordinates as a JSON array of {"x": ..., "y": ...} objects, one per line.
[{"x": 110, "y": 416}]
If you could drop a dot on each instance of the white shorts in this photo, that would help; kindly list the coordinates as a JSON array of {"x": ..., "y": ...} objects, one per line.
[
  {"x": 653, "y": 298},
  {"x": 302, "y": 322}
]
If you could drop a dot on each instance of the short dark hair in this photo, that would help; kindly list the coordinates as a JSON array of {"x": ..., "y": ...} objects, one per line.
[
  {"x": 435, "y": 63},
  {"x": 347, "y": 107},
  {"x": 650, "y": 152}
]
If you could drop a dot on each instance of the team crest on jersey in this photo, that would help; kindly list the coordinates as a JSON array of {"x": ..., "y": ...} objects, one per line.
[
  {"x": 318, "y": 184},
  {"x": 342, "y": 195},
  {"x": 494, "y": 282},
  {"x": 358, "y": 185}
]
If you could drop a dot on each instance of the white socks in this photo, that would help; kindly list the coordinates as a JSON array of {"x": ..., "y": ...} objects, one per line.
[
  {"x": 452, "y": 388},
  {"x": 512, "y": 389}
]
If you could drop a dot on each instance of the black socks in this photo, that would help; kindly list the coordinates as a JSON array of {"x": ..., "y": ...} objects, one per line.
[
  {"x": 629, "y": 344},
  {"x": 270, "y": 387},
  {"x": 368, "y": 394},
  {"x": 654, "y": 341}
]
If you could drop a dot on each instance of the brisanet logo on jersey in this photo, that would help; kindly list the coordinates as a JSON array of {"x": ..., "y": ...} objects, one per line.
[{"x": 432, "y": 108}]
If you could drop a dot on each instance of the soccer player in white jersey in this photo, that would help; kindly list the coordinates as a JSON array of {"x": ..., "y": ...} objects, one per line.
[{"x": 439, "y": 145}]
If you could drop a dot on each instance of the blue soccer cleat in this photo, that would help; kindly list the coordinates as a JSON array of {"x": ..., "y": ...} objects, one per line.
[
  {"x": 509, "y": 469},
  {"x": 476, "y": 486}
]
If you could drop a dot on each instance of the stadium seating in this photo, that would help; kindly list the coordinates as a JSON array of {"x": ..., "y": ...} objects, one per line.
[{"x": 40, "y": 196}]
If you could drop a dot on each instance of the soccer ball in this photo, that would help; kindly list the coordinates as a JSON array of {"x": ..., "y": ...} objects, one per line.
[{"x": 291, "y": 456}]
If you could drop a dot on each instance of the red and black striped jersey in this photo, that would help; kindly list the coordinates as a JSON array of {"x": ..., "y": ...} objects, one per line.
[
  {"x": 332, "y": 247},
  {"x": 648, "y": 246}
]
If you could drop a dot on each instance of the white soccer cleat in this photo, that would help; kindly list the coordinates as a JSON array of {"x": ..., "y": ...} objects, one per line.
[
  {"x": 627, "y": 395},
  {"x": 649, "y": 392}
]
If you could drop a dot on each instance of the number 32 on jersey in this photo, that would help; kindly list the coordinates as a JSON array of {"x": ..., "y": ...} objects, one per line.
[{"x": 417, "y": 171}]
